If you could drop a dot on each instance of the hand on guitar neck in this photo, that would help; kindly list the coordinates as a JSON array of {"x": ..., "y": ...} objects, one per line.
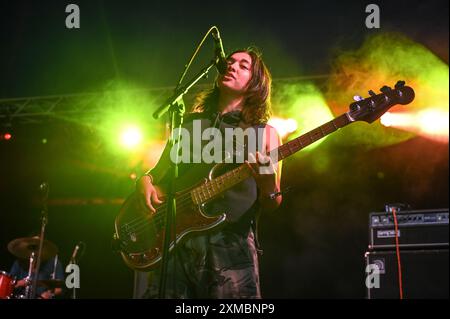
[{"x": 267, "y": 177}]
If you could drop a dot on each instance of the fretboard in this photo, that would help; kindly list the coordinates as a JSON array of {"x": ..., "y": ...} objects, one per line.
[
  {"x": 299, "y": 143},
  {"x": 218, "y": 185}
]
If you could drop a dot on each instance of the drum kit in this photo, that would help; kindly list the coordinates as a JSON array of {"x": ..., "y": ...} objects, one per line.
[
  {"x": 34, "y": 250},
  {"x": 27, "y": 248}
]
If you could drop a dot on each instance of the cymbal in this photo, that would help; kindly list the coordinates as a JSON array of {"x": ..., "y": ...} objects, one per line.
[
  {"x": 23, "y": 247},
  {"x": 51, "y": 283}
]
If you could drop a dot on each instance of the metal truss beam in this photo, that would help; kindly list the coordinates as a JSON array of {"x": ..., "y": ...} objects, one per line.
[{"x": 39, "y": 109}]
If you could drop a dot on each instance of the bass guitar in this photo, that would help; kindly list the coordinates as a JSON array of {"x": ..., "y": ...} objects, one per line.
[{"x": 139, "y": 235}]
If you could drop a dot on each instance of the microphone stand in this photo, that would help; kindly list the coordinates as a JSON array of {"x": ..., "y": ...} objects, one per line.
[
  {"x": 175, "y": 107},
  {"x": 27, "y": 294},
  {"x": 180, "y": 92},
  {"x": 44, "y": 220},
  {"x": 74, "y": 289},
  {"x": 74, "y": 261}
]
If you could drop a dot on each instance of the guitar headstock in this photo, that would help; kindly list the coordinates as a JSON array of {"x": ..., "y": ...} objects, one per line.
[{"x": 373, "y": 107}]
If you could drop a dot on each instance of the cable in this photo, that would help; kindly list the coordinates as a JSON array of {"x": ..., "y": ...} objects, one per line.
[
  {"x": 186, "y": 67},
  {"x": 397, "y": 249}
]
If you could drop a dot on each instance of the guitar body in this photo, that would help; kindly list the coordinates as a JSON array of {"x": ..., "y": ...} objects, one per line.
[{"x": 140, "y": 233}]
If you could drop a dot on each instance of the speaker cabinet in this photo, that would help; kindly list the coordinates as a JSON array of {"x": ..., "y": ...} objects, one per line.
[{"x": 424, "y": 274}]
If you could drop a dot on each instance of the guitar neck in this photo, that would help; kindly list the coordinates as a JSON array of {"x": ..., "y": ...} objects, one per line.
[
  {"x": 218, "y": 185},
  {"x": 316, "y": 134}
]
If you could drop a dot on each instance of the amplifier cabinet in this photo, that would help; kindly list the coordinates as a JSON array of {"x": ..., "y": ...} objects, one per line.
[{"x": 416, "y": 229}]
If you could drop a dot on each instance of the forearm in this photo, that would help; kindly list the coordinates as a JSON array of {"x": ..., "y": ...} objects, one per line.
[
  {"x": 269, "y": 185},
  {"x": 159, "y": 171},
  {"x": 268, "y": 204},
  {"x": 268, "y": 198}
]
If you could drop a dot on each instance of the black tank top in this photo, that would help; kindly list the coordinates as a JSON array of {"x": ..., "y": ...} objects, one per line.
[{"x": 240, "y": 202}]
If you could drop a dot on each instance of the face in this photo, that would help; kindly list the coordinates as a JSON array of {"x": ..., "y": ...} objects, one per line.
[{"x": 238, "y": 75}]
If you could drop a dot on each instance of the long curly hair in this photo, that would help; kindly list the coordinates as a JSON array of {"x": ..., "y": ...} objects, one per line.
[{"x": 256, "y": 108}]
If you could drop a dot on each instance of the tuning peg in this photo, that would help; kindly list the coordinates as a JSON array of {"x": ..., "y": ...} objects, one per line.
[
  {"x": 385, "y": 89},
  {"x": 399, "y": 84},
  {"x": 371, "y": 93},
  {"x": 358, "y": 98},
  {"x": 354, "y": 107}
]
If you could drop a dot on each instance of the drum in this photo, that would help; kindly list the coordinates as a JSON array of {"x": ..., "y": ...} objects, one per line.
[{"x": 6, "y": 285}]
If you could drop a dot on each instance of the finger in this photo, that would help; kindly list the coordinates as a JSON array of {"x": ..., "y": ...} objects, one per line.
[
  {"x": 155, "y": 198},
  {"x": 149, "y": 205},
  {"x": 252, "y": 160},
  {"x": 252, "y": 171},
  {"x": 263, "y": 159},
  {"x": 141, "y": 203},
  {"x": 145, "y": 203}
]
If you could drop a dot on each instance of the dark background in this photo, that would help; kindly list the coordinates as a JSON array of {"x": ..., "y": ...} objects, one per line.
[{"x": 315, "y": 243}]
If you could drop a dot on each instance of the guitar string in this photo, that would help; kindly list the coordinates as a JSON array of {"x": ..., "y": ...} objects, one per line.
[
  {"x": 158, "y": 221},
  {"x": 141, "y": 223},
  {"x": 139, "y": 219},
  {"x": 140, "y": 227},
  {"x": 157, "y": 218},
  {"x": 144, "y": 219},
  {"x": 162, "y": 206},
  {"x": 160, "y": 209}
]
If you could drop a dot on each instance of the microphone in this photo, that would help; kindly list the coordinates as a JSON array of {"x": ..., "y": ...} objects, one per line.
[
  {"x": 75, "y": 251},
  {"x": 221, "y": 62}
]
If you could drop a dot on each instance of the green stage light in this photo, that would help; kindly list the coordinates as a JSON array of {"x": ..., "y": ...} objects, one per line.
[
  {"x": 130, "y": 137},
  {"x": 306, "y": 108},
  {"x": 383, "y": 59}
]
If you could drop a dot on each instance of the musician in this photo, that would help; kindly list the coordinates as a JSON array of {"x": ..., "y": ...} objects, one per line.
[
  {"x": 48, "y": 270},
  {"x": 224, "y": 262}
]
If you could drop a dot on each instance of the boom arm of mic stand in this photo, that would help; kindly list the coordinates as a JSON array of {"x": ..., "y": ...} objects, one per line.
[
  {"x": 44, "y": 217},
  {"x": 182, "y": 91}
]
